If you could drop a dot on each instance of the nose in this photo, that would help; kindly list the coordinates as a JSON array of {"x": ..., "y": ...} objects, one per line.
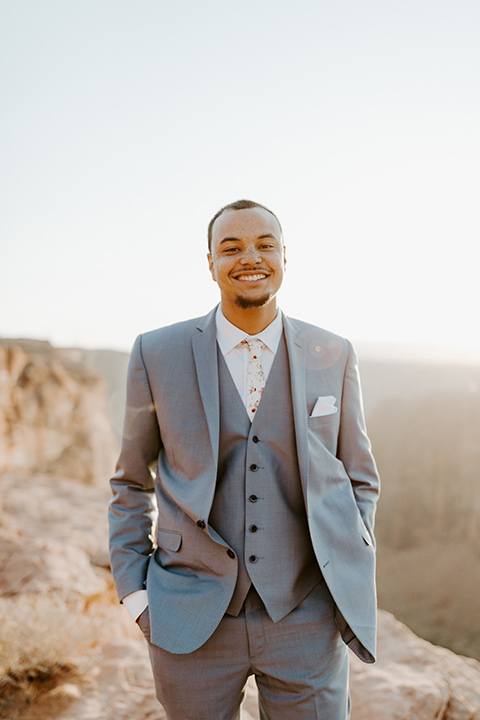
[{"x": 250, "y": 256}]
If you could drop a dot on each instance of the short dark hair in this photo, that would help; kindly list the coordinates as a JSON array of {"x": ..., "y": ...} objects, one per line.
[{"x": 237, "y": 205}]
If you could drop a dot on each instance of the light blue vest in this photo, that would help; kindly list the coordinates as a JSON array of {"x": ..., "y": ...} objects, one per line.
[{"x": 258, "y": 507}]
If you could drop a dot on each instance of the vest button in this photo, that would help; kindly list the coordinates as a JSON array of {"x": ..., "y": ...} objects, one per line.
[
  {"x": 231, "y": 554},
  {"x": 253, "y": 528},
  {"x": 255, "y": 439},
  {"x": 253, "y": 498},
  {"x": 253, "y": 559},
  {"x": 201, "y": 524},
  {"x": 254, "y": 467}
]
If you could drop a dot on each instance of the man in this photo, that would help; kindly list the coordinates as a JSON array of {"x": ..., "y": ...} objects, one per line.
[{"x": 248, "y": 428}]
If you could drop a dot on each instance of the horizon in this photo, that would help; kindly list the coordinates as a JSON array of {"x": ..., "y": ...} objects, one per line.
[{"x": 367, "y": 351}]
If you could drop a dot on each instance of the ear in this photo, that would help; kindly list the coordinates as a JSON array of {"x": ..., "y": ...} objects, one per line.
[
  {"x": 210, "y": 266},
  {"x": 284, "y": 257}
]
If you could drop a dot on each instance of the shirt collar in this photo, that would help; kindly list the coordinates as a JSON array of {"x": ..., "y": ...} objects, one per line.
[{"x": 229, "y": 336}]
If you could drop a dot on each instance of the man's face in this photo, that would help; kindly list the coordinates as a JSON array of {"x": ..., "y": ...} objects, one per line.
[{"x": 247, "y": 259}]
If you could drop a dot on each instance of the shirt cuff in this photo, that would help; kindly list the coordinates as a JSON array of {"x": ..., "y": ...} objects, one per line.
[{"x": 136, "y": 603}]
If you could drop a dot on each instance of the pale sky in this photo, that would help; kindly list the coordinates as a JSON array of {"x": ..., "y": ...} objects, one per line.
[{"x": 127, "y": 125}]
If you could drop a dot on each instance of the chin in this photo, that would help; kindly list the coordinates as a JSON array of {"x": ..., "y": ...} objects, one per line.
[{"x": 246, "y": 303}]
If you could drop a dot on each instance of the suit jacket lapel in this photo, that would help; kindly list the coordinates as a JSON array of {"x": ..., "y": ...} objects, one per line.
[
  {"x": 296, "y": 354},
  {"x": 204, "y": 344}
]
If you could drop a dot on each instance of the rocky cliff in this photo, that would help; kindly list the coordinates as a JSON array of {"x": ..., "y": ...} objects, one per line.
[
  {"x": 54, "y": 578},
  {"x": 54, "y": 550},
  {"x": 53, "y": 413}
]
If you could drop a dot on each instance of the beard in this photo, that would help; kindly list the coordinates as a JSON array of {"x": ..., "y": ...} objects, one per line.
[{"x": 246, "y": 303}]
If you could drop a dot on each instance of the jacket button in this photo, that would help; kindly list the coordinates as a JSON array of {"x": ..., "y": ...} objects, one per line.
[
  {"x": 253, "y": 528},
  {"x": 253, "y": 559},
  {"x": 253, "y": 498},
  {"x": 201, "y": 524},
  {"x": 255, "y": 439},
  {"x": 254, "y": 467},
  {"x": 231, "y": 554}
]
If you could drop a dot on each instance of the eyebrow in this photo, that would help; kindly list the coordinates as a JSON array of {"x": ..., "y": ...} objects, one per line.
[{"x": 234, "y": 239}]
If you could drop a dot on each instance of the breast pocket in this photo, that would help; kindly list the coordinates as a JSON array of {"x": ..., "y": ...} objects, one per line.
[
  {"x": 322, "y": 435},
  {"x": 322, "y": 420}
]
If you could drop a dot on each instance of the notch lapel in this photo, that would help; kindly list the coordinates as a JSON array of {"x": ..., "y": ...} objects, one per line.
[
  {"x": 204, "y": 345},
  {"x": 296, "y": 355}
]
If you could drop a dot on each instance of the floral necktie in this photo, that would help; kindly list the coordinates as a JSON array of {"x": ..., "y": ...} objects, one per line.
[{"x": 255, "y": 376}]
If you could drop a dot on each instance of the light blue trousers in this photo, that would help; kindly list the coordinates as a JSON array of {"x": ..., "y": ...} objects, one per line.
[{"x": 300, "y": 665}]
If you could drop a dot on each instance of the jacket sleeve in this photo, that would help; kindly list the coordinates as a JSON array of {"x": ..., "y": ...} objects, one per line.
[
  {"x": 132, "y": 508},
  {"x": 354, "y": 448}
]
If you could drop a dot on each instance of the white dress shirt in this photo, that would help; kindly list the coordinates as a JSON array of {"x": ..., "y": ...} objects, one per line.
[{"x": 229, "y": 338}]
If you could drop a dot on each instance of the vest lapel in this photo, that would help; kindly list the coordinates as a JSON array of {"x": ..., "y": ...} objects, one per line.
[{"x": 296, "y": 356}]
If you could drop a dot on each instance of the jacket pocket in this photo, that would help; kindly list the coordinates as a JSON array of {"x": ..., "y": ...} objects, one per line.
[
  {"x": 169, "y": 540},
  {"x": 322, "y": 420}
]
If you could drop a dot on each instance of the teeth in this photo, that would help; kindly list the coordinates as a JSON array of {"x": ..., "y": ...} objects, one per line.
[{"x": 251, "y": 278}]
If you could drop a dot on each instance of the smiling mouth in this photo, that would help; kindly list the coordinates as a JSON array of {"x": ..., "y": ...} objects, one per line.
[{"x": 251, "y": 278}]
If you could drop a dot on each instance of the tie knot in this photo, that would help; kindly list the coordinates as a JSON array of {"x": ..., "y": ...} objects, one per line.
[{"x": 255, "y": 346}]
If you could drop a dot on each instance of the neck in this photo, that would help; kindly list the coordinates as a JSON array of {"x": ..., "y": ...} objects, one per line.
[{"x": 250, "y": 320}]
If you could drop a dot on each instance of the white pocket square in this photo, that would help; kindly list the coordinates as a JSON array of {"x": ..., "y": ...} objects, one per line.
[{"x": 324, "y": 406}]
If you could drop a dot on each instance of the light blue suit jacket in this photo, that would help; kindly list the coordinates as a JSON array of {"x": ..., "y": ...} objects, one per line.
[{"x": 168, "y": 465}]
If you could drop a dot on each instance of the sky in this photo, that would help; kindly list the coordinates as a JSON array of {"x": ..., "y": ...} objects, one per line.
[{"x": 126, "y": 126}]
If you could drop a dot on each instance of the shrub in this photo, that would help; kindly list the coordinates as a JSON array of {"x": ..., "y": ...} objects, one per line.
[{"x": 44, "y": 637}]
